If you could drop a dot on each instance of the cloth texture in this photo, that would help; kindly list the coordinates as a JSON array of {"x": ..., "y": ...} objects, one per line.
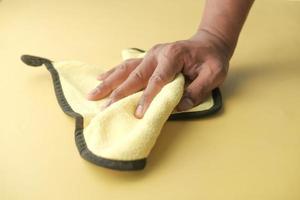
[{"x": 113, "y": 137}]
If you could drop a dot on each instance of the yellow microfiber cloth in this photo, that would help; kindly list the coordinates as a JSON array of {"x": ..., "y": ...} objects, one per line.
[{"x": 114, "y": 137}]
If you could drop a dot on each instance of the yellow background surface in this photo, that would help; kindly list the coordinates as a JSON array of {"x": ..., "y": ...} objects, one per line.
[{"x": 250, "y": 150}]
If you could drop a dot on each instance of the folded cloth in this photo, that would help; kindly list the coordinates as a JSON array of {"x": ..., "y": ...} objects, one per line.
[{"x": 114, "y": 138}]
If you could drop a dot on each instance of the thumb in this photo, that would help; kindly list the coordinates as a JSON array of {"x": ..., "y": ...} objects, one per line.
[{"x": 196, "y": 92}]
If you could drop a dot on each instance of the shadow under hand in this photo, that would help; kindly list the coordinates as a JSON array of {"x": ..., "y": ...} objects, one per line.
[{"x": 241, "y": 78}]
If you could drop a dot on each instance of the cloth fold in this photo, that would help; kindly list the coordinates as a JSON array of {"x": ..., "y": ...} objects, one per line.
[{"x": 114, "y": 138}]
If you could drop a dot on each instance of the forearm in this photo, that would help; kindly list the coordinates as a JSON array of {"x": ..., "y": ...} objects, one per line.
[{"x": 224, "y": 19}]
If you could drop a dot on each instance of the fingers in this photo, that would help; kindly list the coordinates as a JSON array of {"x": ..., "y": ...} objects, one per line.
[
  {"x": 113, "y": 78},
  {"x": 195, "y": 93},
  {"x": 164, "y": 73},
  {"x": 106, "y": 74},
  {"x": 136, "y": 81}
]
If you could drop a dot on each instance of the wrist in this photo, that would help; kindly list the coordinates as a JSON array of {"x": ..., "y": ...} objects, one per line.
[{"x": 225, "y": 45}]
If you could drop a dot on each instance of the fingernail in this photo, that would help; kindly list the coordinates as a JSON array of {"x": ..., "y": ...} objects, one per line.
[
  {"x": 139, "y": 111},
  {"x": 96, "y": 90},
  {"x": 185, "y": 104},
  {"x": 92, "y": 93}
]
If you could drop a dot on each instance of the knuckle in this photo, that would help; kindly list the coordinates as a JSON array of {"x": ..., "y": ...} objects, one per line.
[
  {"x": 218, "y": 68},
  {"x": 173, "y": 49},
  {"x": 155, "y": 47},
  {"x": 117, "y": 93},
  {"x": 157, "y": 79},
  {"x": 137, "y": 75},
  {"x": 128, "y": 64},
  {"x": 124, "y": 66}
]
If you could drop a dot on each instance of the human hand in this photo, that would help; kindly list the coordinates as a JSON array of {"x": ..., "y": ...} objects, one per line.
[{"x": 202, "y": 59}]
